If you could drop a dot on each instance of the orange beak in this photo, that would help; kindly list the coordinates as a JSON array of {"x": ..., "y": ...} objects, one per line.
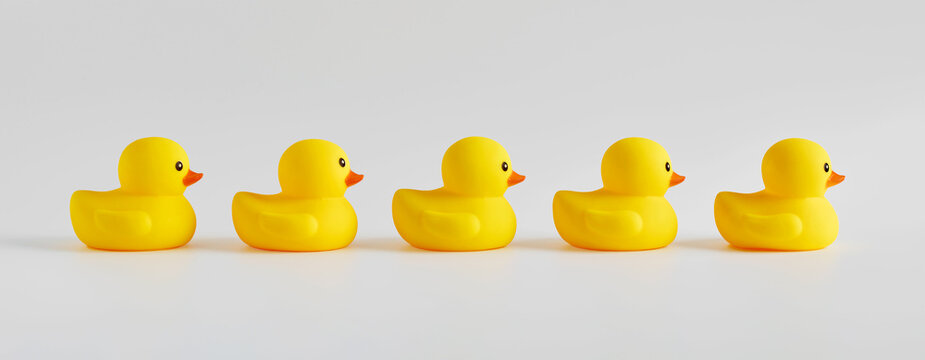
[
  {"x": 353, "y": 178},
  {"x": 676, "y": 179},
  {"x": 515, "y": 178},
  {"x": 191, "y": 178},
  {"x": 834, "y": 179}
]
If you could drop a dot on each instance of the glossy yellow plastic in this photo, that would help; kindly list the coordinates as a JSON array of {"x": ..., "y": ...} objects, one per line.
[
  {"x": 630, "y": 212},
  {"x": 148, "y": 211},
  {"x": 791, "y": 213},
  {"x": 311, "y": 212},
  {"x": 469, "y": 213}
]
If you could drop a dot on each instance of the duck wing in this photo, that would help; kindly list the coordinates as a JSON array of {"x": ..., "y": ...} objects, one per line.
[
  {"x": 776, "y": 227},
  {"x": 621, "y": 223},
  {"x": 290, "y": 225},
  {"x": 125, "y": 222},
  {"x": 457, "y": 225}
]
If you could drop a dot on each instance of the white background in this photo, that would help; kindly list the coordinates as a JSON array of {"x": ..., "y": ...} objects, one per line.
[{"x": 395, "y": 83}]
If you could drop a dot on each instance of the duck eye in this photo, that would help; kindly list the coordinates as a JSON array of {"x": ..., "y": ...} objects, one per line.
[
  {"x": 504, "y": 166},
  {"x": 667, "y": 166},
  {"x": 178, "y": 165},
  {"x": 343, "y": 162},
  {"x": 826, "y": 167}
]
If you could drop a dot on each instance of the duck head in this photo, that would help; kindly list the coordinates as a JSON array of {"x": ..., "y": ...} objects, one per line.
[
  {"x": 155, "y": 166},
  {"x": 316, "y": 168},
  {"x": 638, "y": 166},
  {"x": 478, "y": 166},
  {"x": 798, "y": 168}
]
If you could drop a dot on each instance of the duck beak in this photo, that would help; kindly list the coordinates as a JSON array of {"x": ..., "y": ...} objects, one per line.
[
  {"x": 676, "y": 179},
  {"x": 834, "y": 179},
  {"x": 515, "y": 178},
  {"x": 353, "y": 178},
  {"x": 191, "y": 178}
]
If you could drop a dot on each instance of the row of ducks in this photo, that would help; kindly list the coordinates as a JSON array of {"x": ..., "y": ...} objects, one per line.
[{"x": 630, "y": 212}]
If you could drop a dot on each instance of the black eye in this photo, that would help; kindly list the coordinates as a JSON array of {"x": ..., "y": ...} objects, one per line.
[
  {"x": 667, "y": 166},
  {"x": 178, "y": 165},
  {"x": 343, "y": 162},
  {"x": 826, "y": 167},
  {"x": 504, "y": 166}
]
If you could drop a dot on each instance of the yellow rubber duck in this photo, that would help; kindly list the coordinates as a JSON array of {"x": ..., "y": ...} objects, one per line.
[
  {"x": 311, "y": 212},
  {"x": 630, "y": 212},
  {"x": 148, "y": 211},
  {"x": 791, "y": 213},
  {"x": 469, "y": 212}
]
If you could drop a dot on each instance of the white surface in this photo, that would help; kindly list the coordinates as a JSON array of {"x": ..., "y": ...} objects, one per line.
[{"x": 395, "y": 83}]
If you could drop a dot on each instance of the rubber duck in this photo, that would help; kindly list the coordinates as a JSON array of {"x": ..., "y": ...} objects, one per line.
[
  {"x": 630, "y": 211},
  {"x": 791, "y": 213},
  {"x": 310, "y": 213},
  {"x": 469, "y": 213},
  {"x": 148, "y": 211}
]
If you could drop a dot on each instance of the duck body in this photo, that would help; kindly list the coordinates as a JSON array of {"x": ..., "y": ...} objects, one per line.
[
  {"x": 603, "y": 220},
  {"x": 149, "y": 211},
  {"x": 469, "y": 213},
  {"x": 114, "y": 220},
  {"x": 791, "y": 213},
  {"x": 310, "y": 213},
  {"x": 763, "y": 221},
  {"x": 441, "y": 220},
  {"x": 286, "y": 223},
  {"x": 630, "y": 211}
]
